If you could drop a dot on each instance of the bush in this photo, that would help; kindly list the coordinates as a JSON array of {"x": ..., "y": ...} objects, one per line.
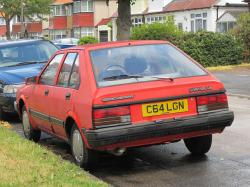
[
  {"x": 87, "y": 40},
  {"x": 212, "y": 49},
  {"x": 157, "y": 31},
  {"x": 209, "y": 49},
  {"x": 242, "y": 31}
]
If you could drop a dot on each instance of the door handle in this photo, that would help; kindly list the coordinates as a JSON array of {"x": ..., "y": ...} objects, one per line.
[
  {"x": 46, "y": 92},
  {"x": 68, "y": 95}
]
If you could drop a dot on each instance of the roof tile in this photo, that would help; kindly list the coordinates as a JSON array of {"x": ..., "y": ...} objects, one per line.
[
  {"x": 179, "y": 5},
  {"x": 61, "y": 2}
]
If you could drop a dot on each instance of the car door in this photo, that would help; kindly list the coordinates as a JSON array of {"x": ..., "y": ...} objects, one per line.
[
  {"x": 41, "y": 97},
  {"x": 67, "y": 84}
]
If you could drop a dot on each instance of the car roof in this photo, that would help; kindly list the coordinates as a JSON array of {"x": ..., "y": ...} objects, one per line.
[
  {"x": 23, "y": 41},
  {"x": 115, "y": 44}
]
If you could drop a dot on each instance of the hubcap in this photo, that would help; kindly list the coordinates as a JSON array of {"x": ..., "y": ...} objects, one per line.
[
  {"x": 77, "y": 145},
  {"x": 26, "y": 124}
]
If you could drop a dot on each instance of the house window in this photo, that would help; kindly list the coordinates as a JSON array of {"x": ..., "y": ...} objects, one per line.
[
  {"x": 59, "y": 10},
  {"x": 2, "y": 21},
  {"x": 83, "y": 6},
  {"x": 68, "y": 10},
  {"x": 137, "y": 22},
  {"x": 77, "y": 6},
  {"x": 77, "y": 33},
  {"x": 58, "y": 34},
  {"x": 83, "y": 31},
  {"x": 198, "y": 25},
  {"x": 204, "y": 25},
  {"x": 87, "y": 6},
  {"x": 198, "y": 22},
  {"x": 87, "y": 31},
  {"x": 224, "y": 27},
  {"x": 192, "y": 26},
  {"x": 156, "y": 19},
  {"x": 180, "y": 26}
]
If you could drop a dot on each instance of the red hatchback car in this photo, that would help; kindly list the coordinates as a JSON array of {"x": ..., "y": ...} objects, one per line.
[{"x": 113, "y": 96}]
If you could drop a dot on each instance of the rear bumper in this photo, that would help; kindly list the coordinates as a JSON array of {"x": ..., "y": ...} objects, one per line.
[{"x": 117, "y": 135}]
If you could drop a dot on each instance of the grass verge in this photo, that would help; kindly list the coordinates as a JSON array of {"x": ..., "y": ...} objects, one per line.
[
  {"x": 24, "y": 163},
  {"x": 225, "y": 68}
]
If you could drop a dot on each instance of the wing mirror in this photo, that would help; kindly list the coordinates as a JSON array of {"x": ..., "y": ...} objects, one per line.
[{"x": 31, "y": 80}]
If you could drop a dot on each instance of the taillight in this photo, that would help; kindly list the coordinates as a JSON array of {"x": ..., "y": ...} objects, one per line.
[
  {"x": 212, "y": 102},
  {"x": 111, "y": 116}
]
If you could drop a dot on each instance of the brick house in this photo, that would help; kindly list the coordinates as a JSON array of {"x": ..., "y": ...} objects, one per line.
[{"x": 78, "y": 18}]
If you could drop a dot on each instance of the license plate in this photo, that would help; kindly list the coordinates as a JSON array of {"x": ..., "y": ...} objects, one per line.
[{"x": 167, "y": 107}]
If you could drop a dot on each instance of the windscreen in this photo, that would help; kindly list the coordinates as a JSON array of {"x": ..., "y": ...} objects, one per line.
[
  {"x": 26, "y": 53},
  {"x": 123, "y": 65}
]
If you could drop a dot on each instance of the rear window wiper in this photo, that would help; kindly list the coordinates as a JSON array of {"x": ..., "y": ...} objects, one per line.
[{"x": 117, "y": 77}]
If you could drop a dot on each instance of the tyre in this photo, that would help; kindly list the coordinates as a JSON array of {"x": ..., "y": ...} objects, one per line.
[
  {"x": 29, "y": 132},
  {"x": 83, "y": 156},
  {"x": 199, "y": 145}
]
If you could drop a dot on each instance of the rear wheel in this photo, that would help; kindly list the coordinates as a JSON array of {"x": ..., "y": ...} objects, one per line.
[
  {"x": 29, "y": 132},
  {"x": 199, "y": 145},
  {"x": 83, "y": 156}
]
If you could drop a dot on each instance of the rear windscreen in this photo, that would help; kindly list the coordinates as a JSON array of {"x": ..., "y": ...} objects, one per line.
[{"x": 123, "y": 65}]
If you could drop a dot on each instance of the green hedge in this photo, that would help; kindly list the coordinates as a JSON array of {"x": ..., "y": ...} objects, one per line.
[
  {"x": 87, "y": 40},
  {"x": 157, "y": 31},
  {"x": 212, "y": 49},
  {"x": 209, "y": 49}
]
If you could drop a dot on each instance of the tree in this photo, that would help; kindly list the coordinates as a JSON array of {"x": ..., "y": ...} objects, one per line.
[
  {"x": 248, "y": 2},
  {"x": 242, "y": 30},
  {"x": 124, "y": 19},
  {"x": 11, "y": 8}
]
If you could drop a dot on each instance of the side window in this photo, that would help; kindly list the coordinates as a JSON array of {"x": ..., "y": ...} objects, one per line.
[
  {"x": 48, "y": 76},
  {"x": 75, "y": 76},
  {"x": 66, "y": 69}
]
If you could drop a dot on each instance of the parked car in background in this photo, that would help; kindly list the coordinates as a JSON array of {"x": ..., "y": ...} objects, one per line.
[
  {"x": 19, "y": 60},
  {"x": 110, "y": 97},
  {"x": 66, "y": 42}
]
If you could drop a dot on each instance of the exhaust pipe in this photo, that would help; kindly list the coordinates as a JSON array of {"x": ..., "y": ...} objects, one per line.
[{"x": 118, "y": 151}]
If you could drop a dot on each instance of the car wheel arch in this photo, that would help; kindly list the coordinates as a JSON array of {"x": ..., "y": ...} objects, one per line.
[
  {"x": 21, "y": 104},
  {"x": 69, "y": 123}
]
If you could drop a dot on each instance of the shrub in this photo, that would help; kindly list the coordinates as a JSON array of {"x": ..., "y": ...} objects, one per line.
[
  {"x": 212, "y": 49},
  {"x": 242, "y": 31},
  {"x": 87, "y": 40},
  {"x": 209, "y": 49},
  {"x": 157, "y": 31}
]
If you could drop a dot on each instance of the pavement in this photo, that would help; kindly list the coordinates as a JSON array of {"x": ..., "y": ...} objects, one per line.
[{"x": 227, "y": 163}]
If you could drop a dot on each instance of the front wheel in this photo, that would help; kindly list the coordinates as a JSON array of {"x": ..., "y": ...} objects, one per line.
[
  {"x": 199, "y": 145},
  {"x": 83, "y": 156},
  {"x": 29, "y": 132}
]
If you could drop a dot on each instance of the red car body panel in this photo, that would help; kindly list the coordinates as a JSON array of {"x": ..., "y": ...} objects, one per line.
[{"x": 89, "y": 96}]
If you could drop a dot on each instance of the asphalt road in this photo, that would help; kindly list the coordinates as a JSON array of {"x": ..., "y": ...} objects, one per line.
[
  {"x": 227, "y": 164},
  {"x": 237, "y": 81}
]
